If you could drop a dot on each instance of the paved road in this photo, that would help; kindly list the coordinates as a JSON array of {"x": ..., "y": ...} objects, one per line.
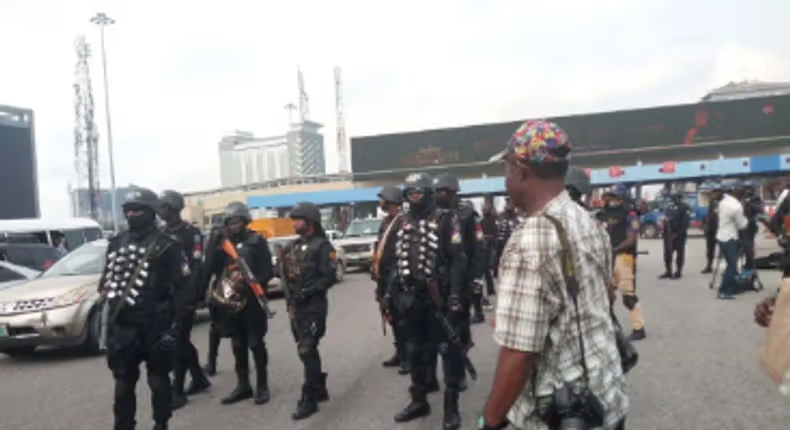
[{"x": 697, "y": 371}]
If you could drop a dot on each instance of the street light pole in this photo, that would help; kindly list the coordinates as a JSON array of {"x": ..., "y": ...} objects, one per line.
[{"x": 102, "y": 20}]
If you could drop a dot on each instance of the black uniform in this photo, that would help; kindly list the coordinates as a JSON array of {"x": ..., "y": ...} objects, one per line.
[
  {"x": 711, "y": 228},
  {"x": 430, "y": 251},
  {"x": 186, "y": 355},
  {"x": 778, "y": 225},
  {"x": 752, "y": 210},
  {"x": 308, "y": 269},
  {"x": 488, "y": 224},
  {"x": 507, "y": 223},
  {"x": 676, "y": 225},
  {"x": 239, "y": 314},
  {"x": 146, "y": 281},
  {"x": 472, "y": 237},
  {"x": 386, "y": 267},
  {"x": 217, "y": 329}
]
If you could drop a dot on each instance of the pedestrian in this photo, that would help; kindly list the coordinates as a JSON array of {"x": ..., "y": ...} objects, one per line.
[
  {"x": 731, "y": 222},
  {"x": 427, "y": 291},
  {"x": 547, "y": 322},
  {"x": 308, "y": 267},
  {"x": 507, "y": 223},
  {"x": 390, "y": 202},
  {"x": 676, "y": 224},
  {"x": 60, "y": 244},
  {"x": 489, "y": 226},
  {"x": 753, "y": 211},
  {"x": 186, "y": 355},
  {"x": 146, "y": 284},
  {"x": 710, "y": 224},
  {"x": 240, "y": 314},
  {"x": 622, "y": 224}
]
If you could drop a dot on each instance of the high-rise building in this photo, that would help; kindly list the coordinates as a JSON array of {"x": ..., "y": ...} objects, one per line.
[
  {"x": 80, "y": 205},
  {"x": 245, "y": 159},
  {"x": 18, "y": 175}
]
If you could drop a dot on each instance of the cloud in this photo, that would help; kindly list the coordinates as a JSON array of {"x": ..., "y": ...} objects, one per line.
[{"x": 182, "y": 73}]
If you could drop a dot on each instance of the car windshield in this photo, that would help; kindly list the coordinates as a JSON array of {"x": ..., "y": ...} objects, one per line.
[
  {"x": 363, "y": 228},
  {"x": 85, "y": 260}
]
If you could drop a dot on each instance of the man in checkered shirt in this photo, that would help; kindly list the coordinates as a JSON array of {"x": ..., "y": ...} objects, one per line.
[{"x": 535, "y": 318}]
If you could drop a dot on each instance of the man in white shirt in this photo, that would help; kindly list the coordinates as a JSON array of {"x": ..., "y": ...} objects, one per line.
[{"x": 731, "y": 222}]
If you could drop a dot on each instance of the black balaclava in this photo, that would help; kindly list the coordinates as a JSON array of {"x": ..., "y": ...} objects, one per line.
[{"x": 142, "y": 222}]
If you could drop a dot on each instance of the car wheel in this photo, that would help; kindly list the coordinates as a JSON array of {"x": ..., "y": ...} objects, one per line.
[
  {"x": 340, "y": 271},
  {"x": 93, "y": 328},
  {"x": 19, "y": 351},
  {"x": 649, "y": 231}
]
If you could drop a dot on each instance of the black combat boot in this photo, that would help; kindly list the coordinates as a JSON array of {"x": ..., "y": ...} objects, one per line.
[
  {"x": 677, "y": 275},
  {"x": 451, "y": 419},
  {"x": 417, "y": 408},
  {"x": 243, "y": 388},
  {"x": 394, "y": 361},
  {"x": 160, "y": 426},
  {"x": 179, "y": 401},
  {"x": 707, "y": 269},
  {"x": 321, "y": 393},
  {"x": 262, "y": 395},
  {"x": 666, "y": 275},
  {"x": 198, "y": 385},
  {"x": 307, "y": 405}
]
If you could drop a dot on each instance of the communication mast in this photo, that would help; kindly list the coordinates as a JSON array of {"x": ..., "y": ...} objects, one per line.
[
  {"x": 304, "y": 102},
  {"x": 86, "y": 137},
  {"x": 342, "y": 146}
]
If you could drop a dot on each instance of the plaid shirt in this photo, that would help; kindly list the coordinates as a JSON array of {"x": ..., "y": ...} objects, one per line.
[{"x": 535, "y": 314}]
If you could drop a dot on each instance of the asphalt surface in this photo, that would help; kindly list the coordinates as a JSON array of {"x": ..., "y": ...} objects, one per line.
[{"x": 698, "y": 369}]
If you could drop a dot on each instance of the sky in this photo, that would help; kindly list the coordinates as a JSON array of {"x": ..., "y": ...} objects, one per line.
[{"x": 184, "y": 73}]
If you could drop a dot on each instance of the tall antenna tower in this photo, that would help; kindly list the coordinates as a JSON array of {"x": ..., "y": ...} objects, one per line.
[
  {"x": 86, "y": 137},
  {"x": 342, "y": 146},
  {"x": 304, "y": 102}
]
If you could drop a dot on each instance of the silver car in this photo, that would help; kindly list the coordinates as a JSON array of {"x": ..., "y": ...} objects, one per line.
[
  {"x": 57, "y": 308},
  {"x": 359, "y": 241},
  {"x": 12, "y": 274}
]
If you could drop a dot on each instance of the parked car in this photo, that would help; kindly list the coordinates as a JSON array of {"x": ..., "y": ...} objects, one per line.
[
  {"x": 358, "y": 242},
  {"x": 36, "y": 256},
  {"x": 12, "y": 274},
  {"x": 340, "y": 262},
  {"x": 58, "y": 308},
  {"x": 652, "y": 222}
]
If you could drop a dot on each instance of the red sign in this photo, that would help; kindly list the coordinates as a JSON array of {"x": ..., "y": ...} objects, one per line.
[
  {"x": 615, "y": 172},
  {"x": 588, "y": 172},
  {"x": 667, "y": 167}
]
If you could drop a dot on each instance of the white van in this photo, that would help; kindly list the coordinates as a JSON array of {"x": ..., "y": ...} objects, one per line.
[{"x": 76, "y": 231}]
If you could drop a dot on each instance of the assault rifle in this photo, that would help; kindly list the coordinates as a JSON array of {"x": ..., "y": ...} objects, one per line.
[
  {"x": 452, "y": 336},
  {"x": 248, "y": 276}
]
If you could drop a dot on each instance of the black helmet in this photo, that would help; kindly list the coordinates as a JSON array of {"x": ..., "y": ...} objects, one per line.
[
  {"x": 141, "y": 197},
  {"x": 446, "y": 182},
  {"x": 577, "y": 179},
  {"x": 306, "y": 211},
  {"x": 237, "y": 210},
  {"x": 391, "y": 194},
  {"x": 172, "y": 199},
  {"x": 418, "y": 182}
]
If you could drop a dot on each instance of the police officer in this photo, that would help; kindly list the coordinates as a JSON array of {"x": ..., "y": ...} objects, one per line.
[
  {"x": 238, "y": 311},
  {"x": 577, "y": 183},
  {"x": 308, "y": 267},
  {"x": 622, "y": 224},
  {"x": 710, "y": 225},
  {"x": 171, "y": 204},
  {"x": 429, "y": 285},
  {"x": 753, "y": 211},
  {"x": 676, "y": 225},
  {"x": 390, "y": 201},
  {"x": 146, "y": 284},
  {"x": 489, "y": 226},
  {"x": 507, "y": 223}
]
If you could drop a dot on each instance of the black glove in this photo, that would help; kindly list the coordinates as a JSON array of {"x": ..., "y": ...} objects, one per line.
[
  {"x": 454, "y": 303},
  {"x": 167, "y": 341}
]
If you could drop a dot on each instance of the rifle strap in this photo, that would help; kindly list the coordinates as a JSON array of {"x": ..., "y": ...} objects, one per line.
[
  {"x": 383, "y": 242},
  {"x": 136, "y": 272}
]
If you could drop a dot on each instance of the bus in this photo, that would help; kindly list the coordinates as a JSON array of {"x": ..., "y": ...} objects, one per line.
[{"x": 76, "y": 231}]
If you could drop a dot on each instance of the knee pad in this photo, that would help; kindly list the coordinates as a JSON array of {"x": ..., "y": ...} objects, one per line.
[
  {"x": 306, "y": 348},
  {"x": 630, "y": 301}
]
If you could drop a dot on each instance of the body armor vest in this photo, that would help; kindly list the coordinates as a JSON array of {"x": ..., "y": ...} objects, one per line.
[
  {"x": 128, "y": 273},
  {"x": 417, "y": 248},
  {"x": 506, "y": 228}
]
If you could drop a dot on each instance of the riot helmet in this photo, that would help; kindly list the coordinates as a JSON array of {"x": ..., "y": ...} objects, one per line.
[
  {"x": 391, "y": 194},
  {"x": 172, "y": 199},
  {"x": 446, "y": 182},
  {"x": 418, "y": 183},
  {"x": 139, "y": 208},
  {"x": 237, "y": 210},
  {"x": 306, "y": 211}
]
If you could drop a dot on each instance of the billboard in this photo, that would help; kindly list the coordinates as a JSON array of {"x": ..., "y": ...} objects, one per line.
[
  {"x": 700, "y": 130},
  {"x": 18, "y": 176}
]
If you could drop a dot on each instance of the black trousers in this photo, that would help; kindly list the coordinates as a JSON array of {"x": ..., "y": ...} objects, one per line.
[
  {"x": 308, "y": 329},
  {"x": 248, "y": 333},
  {"x": 748, "y": 248},
  {"x": 127, "y": 348},
  {"x": 186, "y": 357},
  {"x": 488, "y": 271},
  {"x": 424, "y": 336},
  {"x": 396, "y": 324},
  {"x": 675, "y": 246},
  {"x": 710, "y": 247}
]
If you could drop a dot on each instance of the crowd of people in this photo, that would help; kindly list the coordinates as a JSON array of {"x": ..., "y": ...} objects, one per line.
[{"x": 558, "y": 266}]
